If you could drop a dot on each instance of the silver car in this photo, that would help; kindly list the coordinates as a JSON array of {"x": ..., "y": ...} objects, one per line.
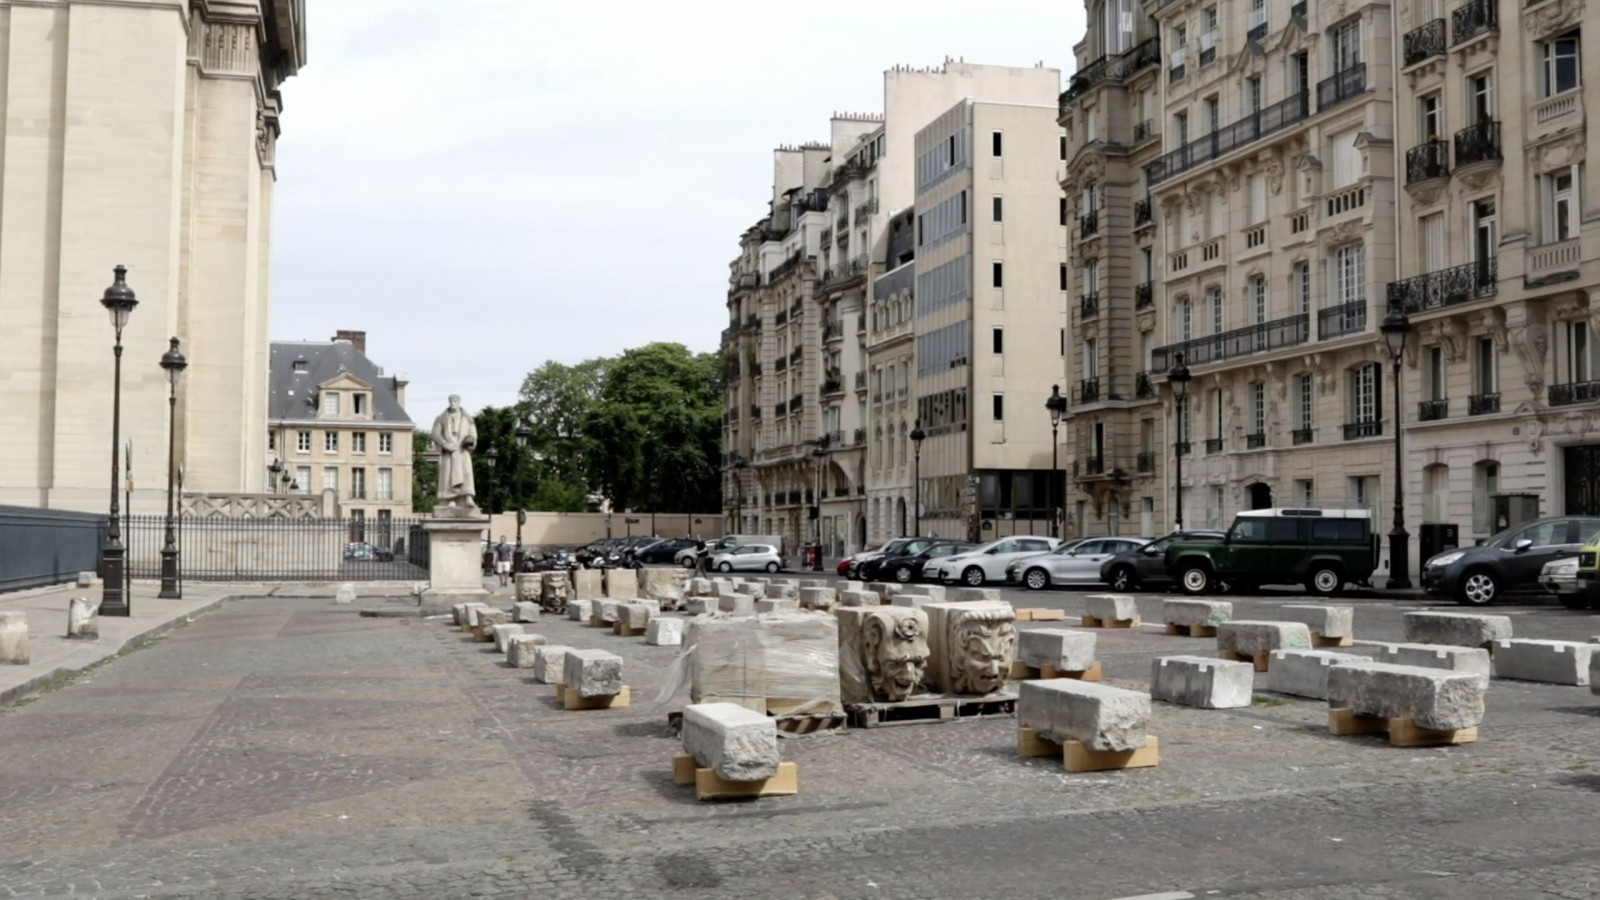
[
  {"x": 748, "y": 558},
  {"x": 1560, "y": 577},
  {"x": 1075, "y": 563}
]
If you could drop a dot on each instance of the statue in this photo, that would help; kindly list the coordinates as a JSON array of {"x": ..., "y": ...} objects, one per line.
[
  {"x": 455, "y": 435},
  {"x": 973, "y": 644},
  {"x": 894, "y": 644}
]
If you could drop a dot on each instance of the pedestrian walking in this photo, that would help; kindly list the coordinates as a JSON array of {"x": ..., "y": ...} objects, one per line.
[
  {"x": 502, "y": 561},
  {"x": 702, "y": 559}
]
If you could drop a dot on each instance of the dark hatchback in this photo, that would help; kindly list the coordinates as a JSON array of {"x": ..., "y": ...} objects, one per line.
[
  {"x": 664, "y": 551},
  {"x": 1145, "y": 568},
  {"x": 906, "y": 567},
  {"x": 873, "y": 570},
  {"x": 1509, "y": 563}
]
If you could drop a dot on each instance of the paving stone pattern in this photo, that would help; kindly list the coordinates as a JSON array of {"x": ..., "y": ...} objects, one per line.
[{"x": 289, "y": 749}]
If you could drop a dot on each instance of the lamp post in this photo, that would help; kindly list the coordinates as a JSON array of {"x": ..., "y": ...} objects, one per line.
[
  {"x": 820, "y": 453},
  {"x": 288, "y": 480},
  {"x": 173, "y": 363},
  {"x": 1178, "y": 377},
  {"x": 917, "y": 434},
  {"x": 1395, "y": 327},
  {"x": 1057, "y": 405},
  {"x": 119, "y": 301},
  {"x": 739, "y": 465},
  {"x": 274, "y": 472},
  {"x": 489, "y": 456}
]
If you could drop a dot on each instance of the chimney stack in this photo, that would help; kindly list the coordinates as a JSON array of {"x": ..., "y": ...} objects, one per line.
[{"x": 357, "y": 339}]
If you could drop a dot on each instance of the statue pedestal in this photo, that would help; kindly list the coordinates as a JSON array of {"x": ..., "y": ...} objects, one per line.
[{"x": 455, "y": 558}]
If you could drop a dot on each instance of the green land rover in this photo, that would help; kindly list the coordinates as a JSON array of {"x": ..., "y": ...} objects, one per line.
[{"x": 1323, "y": 549}]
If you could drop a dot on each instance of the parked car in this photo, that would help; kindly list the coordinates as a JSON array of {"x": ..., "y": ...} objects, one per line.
[
  {"x": 1076, "y": 563},
  {"x": 1560, "y": 577},
  {"x": 871, "y": 569},
  {"x": 664, "y": 551},
  {"x": 988, "y": 562},
  {"x": 1323, "y": 549},
  {"x": 908, "y": 567},
  {"x": 889, "y": 547},
  {"x": 360, "y": 550},
  {"x": 1145, "y": 567},
  {"x": 748, "y": 558},
  {"x": 686, "y": 557},
  {"x": 1509, "y": 562}
]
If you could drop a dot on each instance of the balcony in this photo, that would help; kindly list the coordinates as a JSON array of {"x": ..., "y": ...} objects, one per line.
[
  {"x": 841, "y": 226},
  {"x": 1089, "y": 390},
  {"x": 864, "y": 210},
  {"x": 779, "y": 410},
  {"x": 1357, "y": 430},
  {"x": 844, "y": 272},
  {"x": 1110, "y": 69},
  {"x": 796, "y": 356},
  {"x": 1427, "y": 161},
  {"x": 1338, "y": 88},
  {"x": 1338, "y": 321},
  {"x": 861, "y": 381},
  {"x": 752, "y": 321},
  {"x": 1144, "y": 131},
  {"x": 1251, "y": 339},
  {"x": 1089, "y": 306},
  {"x": 833, "y": 384},
  {"x": 781, "y": 366},
  {"x": 1143, "y": 387},
  {"x": 1143, "y": 212},
  {"x": 1472, "y": 19},
  {"x": 755, "y": 369},
  {"x": 783, "y": 269},
  {"x": 1483, "y": 404},
  {"x": 1574, "y": 392},
  {"x": 1089, "y": 224},
  {"x": 1478, "y": 143},
  {"x": 1298, "y": 10},
  {"x": 755, "y": 412},
  {"x": 860, "y": 437},
  {"x": 1255, "y": 237},
  {"x": 833, "y": 331},
  {"x": 1255, "y": 441},
  {"x": 1446, "y": 287},
  {"x": 1183, "y": 448},
  {"x": 1213, "y": 445},
  {"x": 1144, "y": 295},
  {"x": 1301, "y": 436},
  {"x": 1423, "y": 43},
  {"x": 1145, "y": 463},
  {"x": 795, "y": 402},
  {"x": 1433, "y": 410},
  {"x": 1546, "y": 260},
  {"x": 1247, "y": 130},
  {"x": 782, "y": 318},
  {"x": 1346, "y": 200}
]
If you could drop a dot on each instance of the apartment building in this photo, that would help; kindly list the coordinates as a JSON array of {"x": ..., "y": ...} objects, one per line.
[
  {"x": 989, "y": 318},
  {"x": 1498, "y": 263},
  {"x": 337, "y": 426},
  {"x": 1265, "y": 230}
]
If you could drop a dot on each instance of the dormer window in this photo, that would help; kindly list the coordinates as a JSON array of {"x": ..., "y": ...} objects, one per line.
[
  {"x": 358, "y": 404},
  {"x": 330, "y": 403},
  {"x": 301, "y": 365}
]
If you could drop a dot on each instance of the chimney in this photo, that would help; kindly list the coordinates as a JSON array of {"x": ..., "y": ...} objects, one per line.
[{"x": 357, "y": 339}]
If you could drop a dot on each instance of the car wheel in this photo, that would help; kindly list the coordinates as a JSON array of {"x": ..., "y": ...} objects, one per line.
[
  {"x": 1124, "y": 579},
  {"x": 1036, "y": 579},
  {"x": 726, "y": 567},
  {"x": 1325, "y": 581},
  {"x": 772, "y": 567},
  {"x": 1479, "y": 587},
  {"x": 903, "y": 574},
  {"x": 688, "y": 563},
  {"x": 1195, "y": 579},
  {"x": 973, "y": 576}
]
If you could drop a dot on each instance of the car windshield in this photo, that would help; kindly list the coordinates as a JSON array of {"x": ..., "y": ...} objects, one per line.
[{"x": 1070, "y": 546}]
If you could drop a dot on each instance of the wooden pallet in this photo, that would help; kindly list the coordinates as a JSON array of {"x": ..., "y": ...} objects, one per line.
[
  {"x": 571, "y": 700},
  {"x": 929, "y": 710},
  {"x": 1036, "y": 614},
  {"x": 1319, "y": 640},
  {"x": 1259, "y": 660},
  {"x": 1402, "y": 732},
  {"x": 707, "y": 786},
  {"x": 622, "y": 630},
  {"x": 1095, "y": 622},
  {"x": 789, "y": 725},
  {"x": 1206, "y": 631},
  {"x": 1021, "y": 671},
  {"x": 1078, "y": 758},
  {"x": 482, "y": 637}
]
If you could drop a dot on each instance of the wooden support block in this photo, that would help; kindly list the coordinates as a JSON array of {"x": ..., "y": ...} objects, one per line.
[
  {"x": 683, "y": 769},
  {"x": 1024, "y": 615},
  {"x": 707, "y": 786},
  {"x": 618, "y": 628},
  {"x": 1317, "y": 640},
  {"x": 1344, "y": 721},
  {"x": 1262, "y": 660},
  {"x": 1081, "y": 759},
  {"x": 1176, "y": 629},
  {"x": 1406, "y": 733},
  {"x": 483, "y": 637},
  {"x": 1259, "y": 660},
  {"x": 1030, "y": 745},
  {"x": 1093, "y": 622},
  {"x": 572, "y": 700},
  {"x": 1093, "y": 673},
  {"x": 1203, "y": 631},
  {"x": 1049, "y": 615},
  {"x": 561, "y": 693},
  {"x": 1020, "y": 670}
]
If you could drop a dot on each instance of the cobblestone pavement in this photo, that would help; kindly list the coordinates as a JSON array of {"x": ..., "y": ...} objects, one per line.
[{"x": 290, "y": 749}]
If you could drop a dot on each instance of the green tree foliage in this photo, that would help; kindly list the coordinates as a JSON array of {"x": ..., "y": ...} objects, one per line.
[
  {"x": 424, "y": 473},
  {"x": 555, "y": 401},
  {"x": 506, "y": 471}
]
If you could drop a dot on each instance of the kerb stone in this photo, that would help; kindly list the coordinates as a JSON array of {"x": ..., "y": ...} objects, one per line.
[
  {"x": 1327, "y": 621},
  {"x": 1304, "y": 673},
  {"x": 1456, "y": 629},
  {"x": 1067, "y": 650},
  {"x": 1098, "y": 715},
  {"x": 1551, "y": 662},
  {"x": 1201, "y": 682},
  {"x": 550, "y": 663},
  {"x": 521, "y": 649},
  {"x": 737, "y": 743},
  {"x": 592, "y": 673},
  {"x": 14, "y": 638},
  {"x": 664, "y": 632},
  {"x": 1432, "y": 698},
  {"x": 1247, "y": 638},
  {"x": 1189, "y": 613}
]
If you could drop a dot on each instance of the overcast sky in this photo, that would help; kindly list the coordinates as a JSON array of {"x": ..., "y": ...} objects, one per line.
[{"x": 482, "y": 185}]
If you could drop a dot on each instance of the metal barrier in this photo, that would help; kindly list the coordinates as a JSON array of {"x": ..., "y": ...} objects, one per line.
[
  {"x": 279, "y": 549},
  {"x": 40, "y": 547}
]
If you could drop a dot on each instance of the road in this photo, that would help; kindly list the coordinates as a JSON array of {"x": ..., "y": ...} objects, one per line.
[{"x": 289, "y": 749}]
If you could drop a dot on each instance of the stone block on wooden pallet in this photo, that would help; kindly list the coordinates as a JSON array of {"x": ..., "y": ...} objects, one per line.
[
  {"x": 1434, "y": 699},
  {"x": 472, "y": 614},
  {"x": 587, "y": 584},
  {"x": 592, "y": 673},
  {"x": 622, "y": 584},
  {"x": 501, "y": 635},
  {"x": 665, "y": 587},
  {"x": 737, "y": 604},
  {"x": 664, "y": 632},
  {"x": 818, "y": 597},
  {"x": 521, "y": 649},
  {"x": 487, "y": 620},
  {"x": 1248, "y": 638},
  {"x": 859, "y": 598},
  {"x": 634, "y": 618},
  {"x": 1304, "y": 673},
  {"x": 83, "y": 618},
  {"x": 1106, "y": 609},
  {"x": 603, "y": 613},
  {"x": 550, "y": 663},
  {"x": 1189, "y": 613},
  {"x": 972, "y": 645},
  {"x": 777, "y": 663},
  {"x": 525, "y": 612},
  {"x": 1201, "y": 682},
  {"x": 776, "y": 604},
  {"x": 1101, "y": 717},
  {"x": 883, "y": 653},
  {"x": 699, "y": 606},
  {"x": 1328, "y": 624},
  {"x": 1456, "y": 629},
  {"x": 580, "y": 610},
  {"x": 1470, "y": 660},
  {"x": 14, "y": 638},
  {"x": 753, "y": 588},
  {"x": 736, "y": 743},
  {"x": 458, "y": 614},
  {"x": 700, "y": 587},
  {"x": 1551, "y": 662},
  {"x": 782, "y": 592},
  {"x": 1059, "y": 648}
]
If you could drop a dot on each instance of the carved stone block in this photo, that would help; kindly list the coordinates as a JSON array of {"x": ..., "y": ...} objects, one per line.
[
  {"x": 972, "y": 645},
  {"x": 883, "y": 652}
]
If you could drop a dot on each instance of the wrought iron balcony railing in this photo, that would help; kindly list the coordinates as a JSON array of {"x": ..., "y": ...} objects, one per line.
[
  {"x": 1143, "y": 387},
  {"x": 1338, "y": 321},
  {"x": 1354, "y": 430},
  {"x": 1478, "y": 143},
  {"x": 1108, "y": 69},
  {"x": 1574, "y": 392},
  {"x": 1286, "y": 332},
  {"x": 1089, "y": 390},
  {"x": 1432, "y": 410},
  {"x": 1247, "y": 130},
  {"x": 1183, "y": 448},
  {"x": 1341, "y": 86},
  {"x": 1428, "y": 160},
  {"x": 1446, "y": 287},
  {"x": 1144, "y": 131},
  {"x": 1473, "y": 18},
  {"x": 1213, "y": 445},
  {"x": 1255, "y": 441},
  {"x": 1424, "y": 42},
  {"x": 1483, "y": 404},
  {"x": 1145, "y": 462},
  {"x": 1144, "y": 295},
  {"x": 1143, "y": 212},
  {"x": 1089, "y": 224},
  {"x": 1089, "y": 306},
  {"x": 1301, "y": 436}
]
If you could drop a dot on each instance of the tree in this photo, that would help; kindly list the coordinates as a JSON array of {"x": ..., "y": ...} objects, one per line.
[
  {"x": 654, "y": 434},
  {"x": 424, "y": 473},
  {"x": 556, "y": 400},
  {"x": 506, "y": 470}
]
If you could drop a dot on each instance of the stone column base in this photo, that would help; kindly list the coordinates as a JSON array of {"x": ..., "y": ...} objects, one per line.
[{"x": 455, "y": 562}]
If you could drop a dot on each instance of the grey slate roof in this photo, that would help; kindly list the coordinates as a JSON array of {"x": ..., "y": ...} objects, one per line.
[{"x": 289, "y": 390}]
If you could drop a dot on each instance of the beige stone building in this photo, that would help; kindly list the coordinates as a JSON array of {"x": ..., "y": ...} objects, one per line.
[
  {"x": 137, "y": 133},
  {"x": 338, "y": 428}
]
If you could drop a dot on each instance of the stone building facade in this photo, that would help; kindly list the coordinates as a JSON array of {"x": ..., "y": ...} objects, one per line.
[{"x": 140, "y": 134}]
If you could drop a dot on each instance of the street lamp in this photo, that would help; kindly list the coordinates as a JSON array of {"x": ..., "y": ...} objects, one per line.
[
  {"x": 1395, "y": 327},
  {"x": 739, "y": 465},
  {"x": 274, "y": 472},
  {"x": 489, "y": 456},
  {"x": 173, "y": 362},
  {"x": 917, "y": 434},
  {"x": 119, "y": 301},
  {"x": 1178, "y": 377},
  {"x": 1057, "y": 405},
  {"x": 821, "y": 453},
  {"x": 288, "y": 480}
]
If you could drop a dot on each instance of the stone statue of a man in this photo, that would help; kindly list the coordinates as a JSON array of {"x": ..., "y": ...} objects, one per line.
[{"x": 455, "y": 436}]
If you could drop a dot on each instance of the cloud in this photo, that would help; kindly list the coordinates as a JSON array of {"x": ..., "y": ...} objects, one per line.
[{"x": 487, "y": 184}]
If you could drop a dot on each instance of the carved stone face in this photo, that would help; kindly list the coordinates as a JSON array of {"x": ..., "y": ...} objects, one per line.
[
  {"x": 896, "y": 655},
  {"x": 984, "y": 651}
]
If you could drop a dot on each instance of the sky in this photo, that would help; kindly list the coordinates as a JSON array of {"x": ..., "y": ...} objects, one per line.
[{"x": 484, "y": 185}]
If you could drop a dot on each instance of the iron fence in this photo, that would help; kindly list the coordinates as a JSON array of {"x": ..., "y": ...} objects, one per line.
[
  {"x": 278, "y": 549},
  {"x": 40, "y": 547}
]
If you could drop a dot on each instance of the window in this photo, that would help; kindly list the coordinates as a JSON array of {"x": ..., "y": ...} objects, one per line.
[
  {"x": 302, "y": 442},
  {"x": 999, "y": 340},
  {"x": 358, "y": 484},
  {"x": 1484, "y": 376},
  {"x": 1363, "y": 394},
  {"x": 1063, "y": 140},
  {"x": 1063, "y": 276},
  {"x": 1561, "y": 208},
  {"x": 1300, "y": 285},
  {"x": 1304, "y": 402},
  {"x": 1559, "y": 70},
  {"x": 1147, "y": 515},
  {"x": 1430, "y": 117},
  {"x": 1061, "y": 206},
  {"x": 358, "y": 404},
  {"x": 1252, "y": 94},
  {"x": 1258, "y": 198},
  {"x": 1579, "y": 350},
  {"x": 999, "y": 209},
  {"x": 1346, "y": 158},
  {"x": 1304, "y": 494},
  {"x": 1348, "y": 274},
  {"x": 999, "y": 411},
  {"x": 996, "y": 144},
  {"x": 330, "y": 479},
  {"x": 385, "y": 484},
  {"x": 1091, "y": 359},
  {"x": 1214, "y": 506},
  {"x": 1300, "y": 73},
  {"x": 1480, "y": 98},
  {"x": 1363, "y": 494},
  {"x": 302, "y": 479},
  {"x": 1091, "y": 277},
  {"x": 1213, "y": 108},
  {"x": 1483, "y": 236},
  {"x": 1485, "y": 484},
  {"x": 272, "y": 440},
  {"x": 1214, "y": 301},
  {"x": 330, "y": 442},
  {"x": 358, "y": 442},
  {"x": 1434, "y": 254},
  {"x": 1180, "y": 129},
  {"x": 1147, "y": 436},
  {"x": 1344, "y": 42},
  {"x": 1147, "y": 265},
  {"x": 998, "y": 277},
  {"x": 1434, "y": 372},
  {"x": 1208, "y": 29},
  {"x": 1185, "y": 317},
  {"x": 330, "y": 403},
  {"x": 1256, "y": 292},
  {"x": 1258, "y": 408}
]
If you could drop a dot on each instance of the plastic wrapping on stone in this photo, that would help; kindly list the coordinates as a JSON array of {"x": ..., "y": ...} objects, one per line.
[{"x": 780, "y": 663}]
